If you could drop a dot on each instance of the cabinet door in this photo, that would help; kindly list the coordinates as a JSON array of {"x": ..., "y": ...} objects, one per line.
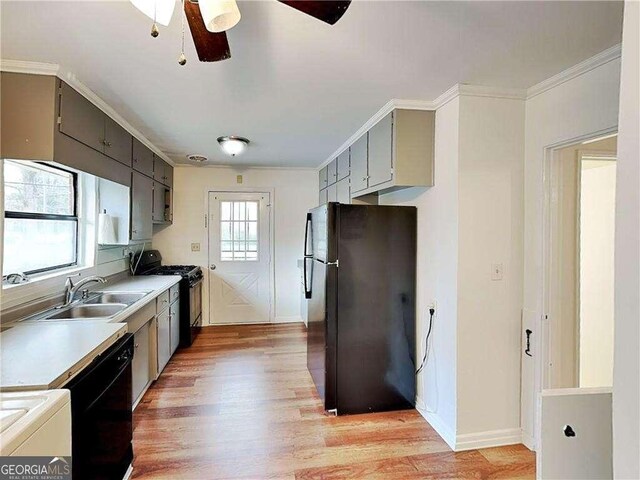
[
  {"x": 323, "y": 197},
  {"x": 332, "y": 172},
  {"x": 80, "y": 119},
  {"x": 140, "y": 364},
  {"x": 117, "y": 142},
  {"x": 332, "y": 194},
  {"x": 174, "y": 314},
  {"x": 142, "y": 158},
  {"x": 158, "y": 169},
  {"x": 159, "y": 207},
  {"x": 141, "y": 207},
  {"x": 168, "y": 175},
  {"x": 164, "y": 340},
  {"x": 359, "y": 171},
  {"x": 343, "y": 191},
  {"x": 344, "y": 165},
  {"x": 322, "y": 180},
  {"x": 381, "y": 151}
]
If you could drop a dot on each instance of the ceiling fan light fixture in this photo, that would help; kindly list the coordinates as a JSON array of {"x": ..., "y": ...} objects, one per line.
[
  {"x": 233, "y": 145},
  {"x": 219, "y": 15},
  {"x": 159, "y": 10}
]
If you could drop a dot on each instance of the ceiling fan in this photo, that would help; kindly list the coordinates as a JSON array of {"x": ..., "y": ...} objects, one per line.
[{"x": 210, "y": 19}]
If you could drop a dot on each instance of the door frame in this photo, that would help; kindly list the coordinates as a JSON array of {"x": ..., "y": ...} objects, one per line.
[
  {"x": 272, "y": 274},
  {"x": 541, "y": 342}
]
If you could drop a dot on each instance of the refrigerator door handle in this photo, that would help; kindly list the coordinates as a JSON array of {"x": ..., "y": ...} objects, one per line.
[
  {"x": 306, "y": 236},
  {"x": 307, "y": 287}
]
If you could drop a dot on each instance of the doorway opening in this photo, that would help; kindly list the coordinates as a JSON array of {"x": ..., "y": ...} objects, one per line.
[{"x": 579, "y": 337}]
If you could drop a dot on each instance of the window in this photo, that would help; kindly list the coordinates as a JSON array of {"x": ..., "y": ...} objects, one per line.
[
  {"x": 239, "y": 231},
  {"x": 41, "y": 222}
]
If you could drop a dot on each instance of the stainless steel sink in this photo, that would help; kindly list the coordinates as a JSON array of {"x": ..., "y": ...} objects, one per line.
[
  {"x": 104, "y": 310},
  {"x": 128, "y": 298}
]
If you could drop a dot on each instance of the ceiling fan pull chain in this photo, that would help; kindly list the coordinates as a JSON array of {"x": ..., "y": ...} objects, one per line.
[
  {"x": 154, "y": 28},
  {"x": 182, "y": 59}
]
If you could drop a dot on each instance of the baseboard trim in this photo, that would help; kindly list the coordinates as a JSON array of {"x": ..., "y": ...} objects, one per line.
[
  {"x": 289, "y": 319},
  {"x": 436, "y": 423},
  {"x": 491, "y": 438}
]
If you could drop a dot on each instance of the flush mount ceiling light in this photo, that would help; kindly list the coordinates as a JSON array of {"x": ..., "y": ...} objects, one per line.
[
  {"x": 219, "y": 15},
  {"x": 233, "y": 145}
]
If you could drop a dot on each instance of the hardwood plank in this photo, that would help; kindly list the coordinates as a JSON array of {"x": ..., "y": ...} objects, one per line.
[{"x": 240, "y": 404}]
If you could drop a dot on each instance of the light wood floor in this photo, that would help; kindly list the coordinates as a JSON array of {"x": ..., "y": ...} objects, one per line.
[{"x": 240, "y": 404}]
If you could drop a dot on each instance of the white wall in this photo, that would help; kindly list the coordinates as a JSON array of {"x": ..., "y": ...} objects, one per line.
[
  {"x": 575, "y": 109},
  {"x": 597, "y": 226},
  {"x": 470, "y": 220},
  {"x": 295, "y": 192},
  {"x": 490, "y": 233},
  {"x": 626, "y": 380},
  {"x": 437, "y": 274}
]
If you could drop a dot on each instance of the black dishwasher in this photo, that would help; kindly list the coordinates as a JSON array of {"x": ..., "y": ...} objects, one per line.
[{"x": 102, "y": 423}]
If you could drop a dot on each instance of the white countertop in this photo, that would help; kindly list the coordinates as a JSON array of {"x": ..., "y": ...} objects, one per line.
[{"x": 45, "y": 354}]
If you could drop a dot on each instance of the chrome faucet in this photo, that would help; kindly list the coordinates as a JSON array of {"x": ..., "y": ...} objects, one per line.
[{"x": 70, "y": 289}]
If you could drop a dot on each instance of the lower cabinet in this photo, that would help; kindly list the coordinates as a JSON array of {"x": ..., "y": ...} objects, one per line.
[
  {"x": 140, "y": 374},
  {"x": 174, "y": 323},
  {"x": 164, "y": 340}
]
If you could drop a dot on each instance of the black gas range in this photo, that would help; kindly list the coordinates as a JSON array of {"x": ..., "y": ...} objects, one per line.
[{"x": 150, "y": 263}]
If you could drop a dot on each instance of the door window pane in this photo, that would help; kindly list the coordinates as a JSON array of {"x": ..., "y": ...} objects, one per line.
[{"x": 239, "y": 231}]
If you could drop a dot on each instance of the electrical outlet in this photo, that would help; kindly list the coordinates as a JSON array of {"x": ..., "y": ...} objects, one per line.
[
  {"x": 497, "y": 271},
  {"x": 433, "y": 305},
  {"x": 238, "y": 178},
  {"x": 195, "y": 247}
]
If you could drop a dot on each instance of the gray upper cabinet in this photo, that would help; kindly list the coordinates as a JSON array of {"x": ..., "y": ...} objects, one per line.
[
  {"x": 323, "y": 196},
  {"x": 400, "y": 154},
  {"x": 142, "y": 158},
  {"x": 359, "y": 168},
  {"x": 344, "y": 165},
  {"x": 80, "y": 119},
  {"x": 117, "y": 144},
  {"x": 332, "y": 173},
  {"x": 381, "y": 151},
  {"x": 158, "y": 202},
  {"x": 141, "y": 207},
  {"x": 343, "y": 191},
  {"x": 332, "y": 193},
  {"x": 322, "y": 179},
  {"x": 162, "y": 171}
]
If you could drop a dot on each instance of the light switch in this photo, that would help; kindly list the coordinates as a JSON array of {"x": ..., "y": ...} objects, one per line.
[
  {"x": 239, "y": 179},
  {"x": 195, "y": 247},
  {"x": 497, "y": 271}
]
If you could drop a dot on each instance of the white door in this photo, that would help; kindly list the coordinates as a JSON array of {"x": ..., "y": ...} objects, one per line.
[{"x": 239, "y": 258}]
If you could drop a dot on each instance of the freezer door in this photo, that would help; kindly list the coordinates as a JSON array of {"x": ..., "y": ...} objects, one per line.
[
  {"x": 323, "y": 232},
  {"x": 321, "y": 331}
]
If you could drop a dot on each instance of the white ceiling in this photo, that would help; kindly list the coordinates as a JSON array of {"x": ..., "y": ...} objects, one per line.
[{"x": 296, "y": 87}]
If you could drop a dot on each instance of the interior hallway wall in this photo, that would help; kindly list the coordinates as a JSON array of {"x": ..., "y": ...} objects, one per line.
[
  {"x": 581, "y": 106},
  {"x": 296, "y": 191},
  {"x": 626, "y": 365}
]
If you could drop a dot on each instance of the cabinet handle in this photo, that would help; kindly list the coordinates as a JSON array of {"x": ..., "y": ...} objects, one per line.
[
  {"x": 134, "y": 231},
  {"x": 137, "y": 345}
]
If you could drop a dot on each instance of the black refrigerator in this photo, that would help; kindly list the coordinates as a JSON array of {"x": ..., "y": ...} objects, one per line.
[{"x": 360, "y": 285}]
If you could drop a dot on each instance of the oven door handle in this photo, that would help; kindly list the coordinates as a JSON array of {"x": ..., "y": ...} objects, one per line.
[{"x": 197, "y": 282}]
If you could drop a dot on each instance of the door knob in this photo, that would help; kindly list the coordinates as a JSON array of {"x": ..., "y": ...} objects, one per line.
[{"x": 212, "y": 266}]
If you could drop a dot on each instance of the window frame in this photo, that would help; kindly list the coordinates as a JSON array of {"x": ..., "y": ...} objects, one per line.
[{"x": 52, "y": 216}]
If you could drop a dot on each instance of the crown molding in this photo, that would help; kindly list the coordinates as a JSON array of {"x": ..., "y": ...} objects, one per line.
[
  {"x": 52, "y": 69},
  {"x": 242, "y": 168},
  {"x": 581, "y": 68},
  {"x": 453, "y": 92},
  {"x": 93, "y": 97},
  {"x": 34, "y": 68}
]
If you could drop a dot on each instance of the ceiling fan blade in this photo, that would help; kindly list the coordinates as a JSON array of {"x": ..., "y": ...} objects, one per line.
[
  {"x": 326, "y": 10},
  {"x": 211, "y": 47}
]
